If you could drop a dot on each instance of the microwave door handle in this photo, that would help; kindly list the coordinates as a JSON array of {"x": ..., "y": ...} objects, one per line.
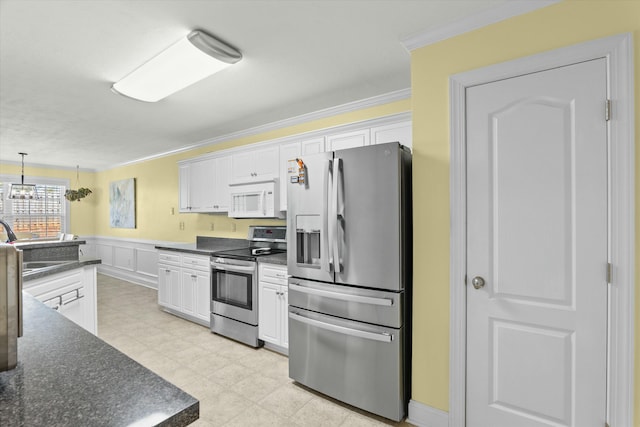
[
  {"x": 336, "y": 215},
  {"x": 327, "y": 242}
]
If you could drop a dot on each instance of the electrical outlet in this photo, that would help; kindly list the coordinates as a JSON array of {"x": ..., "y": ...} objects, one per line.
[
  {"x": 211, "y": 227},
  {"x": 172, "y": 211},
  {"x": 181, "y": 225},
  {"x": 233, "y": 226}
]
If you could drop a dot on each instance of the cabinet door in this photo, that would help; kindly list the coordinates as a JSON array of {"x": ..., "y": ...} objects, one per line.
[
  {"x": 242, "y": 169},
  {"x": 188, "y": 292},
  {"x": 202, "y": 177},
  {"x": 284, "y": 317},
  {"x": 174, "y": 287},
  {"x": 164, "y": 281},
  {"x": 221, "y": 200},
  {"x": 183, "y": 178},
  {"x": 75, "y": 311},
  {"x": 342, "y": 141},
  {"x": 313, "y": 146},
  {"x": 400, "y": 132},
  {"x": 266, "y": 163},
  {"x": 268, "y": 315},
  {"x": 288, "y": 152},
  {"x": 203, "y": 296}
]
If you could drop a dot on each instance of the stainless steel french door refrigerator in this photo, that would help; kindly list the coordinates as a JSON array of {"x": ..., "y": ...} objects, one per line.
[{"x": 349, "y": 258}]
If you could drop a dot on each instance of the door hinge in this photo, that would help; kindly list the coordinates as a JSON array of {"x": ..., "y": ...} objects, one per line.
[
  {"x": 609, "y": 273},
  {"x": 607, "y": 110}
]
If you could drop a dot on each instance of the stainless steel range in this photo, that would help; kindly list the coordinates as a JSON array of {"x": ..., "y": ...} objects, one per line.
[{"x": 234, "y": 284}]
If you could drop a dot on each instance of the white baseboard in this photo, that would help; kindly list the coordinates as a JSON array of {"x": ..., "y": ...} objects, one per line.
[
  {"x": 129, "y": 276},
  {"x": 425, "y": 416}
]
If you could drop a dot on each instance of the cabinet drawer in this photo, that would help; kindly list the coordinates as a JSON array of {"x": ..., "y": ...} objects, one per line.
[
  {"x": 169, "y": 258},
  {"x": 273, "y": 274},
  {"x": 196, "y": 262}
]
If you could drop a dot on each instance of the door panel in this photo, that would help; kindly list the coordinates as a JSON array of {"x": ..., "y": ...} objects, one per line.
[
  {"x": 537, "y": 235},
  {"x": 307, "y": 228},
  {"x": 369, "y": 198}
]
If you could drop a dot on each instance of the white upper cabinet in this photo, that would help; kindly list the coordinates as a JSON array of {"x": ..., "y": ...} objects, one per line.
[
  {"x": 183, "y": 177},
  {"x": 396, "y": 132},
  {"x": 204, "y": 181},
  {"x": 204, "y": 185},
  {"x": 255, "y": 165},
  {"x": 288, "y": 153},
  {"x": 313, "y": 146},
  {"x": 201, "y": 185},
  {"x": 221, "y": 196},
  {"x": 342, "y": 141}
]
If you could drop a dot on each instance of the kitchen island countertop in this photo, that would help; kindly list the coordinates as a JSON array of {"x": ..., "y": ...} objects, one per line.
[{"x": 68, "y": 377}]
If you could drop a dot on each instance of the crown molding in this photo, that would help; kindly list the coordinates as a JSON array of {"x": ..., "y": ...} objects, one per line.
[
  {"x": 349, "y": 107},
  {"x": 40, "y": 165},
  {"x": 491, "y": 16}
]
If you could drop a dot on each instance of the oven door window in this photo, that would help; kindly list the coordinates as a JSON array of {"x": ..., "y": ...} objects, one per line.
[{"x": 233, "y": 288}]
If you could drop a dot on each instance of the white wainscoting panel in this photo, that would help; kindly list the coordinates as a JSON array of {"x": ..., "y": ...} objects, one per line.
[
  {"x": 133, "y": 260},
  {"x": 124, "y": 258},
  {"x": 147, "y": 261},
  {"x": 105, "y": 253}
]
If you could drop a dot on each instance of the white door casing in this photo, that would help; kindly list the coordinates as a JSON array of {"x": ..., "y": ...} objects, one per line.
[
  {"x": 537, "y": 238},
  {"x": 617, "y": 52}
]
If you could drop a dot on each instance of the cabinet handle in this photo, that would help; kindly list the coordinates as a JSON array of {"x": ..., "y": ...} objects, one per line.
[
  {"x": 193, "y": 276},
  {"x": 167, "y": 271}
]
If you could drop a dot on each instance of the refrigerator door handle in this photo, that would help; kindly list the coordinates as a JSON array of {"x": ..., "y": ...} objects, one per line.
[
  {"x": 383, "y": 337},
  {"x": 336, "y": 214},
  {"x": 342, "y": 297},
  {"x": 327, "y": 261}
]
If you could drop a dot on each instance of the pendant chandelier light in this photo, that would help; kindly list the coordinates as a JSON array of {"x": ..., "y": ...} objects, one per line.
[{"x": 23, "y": 191}]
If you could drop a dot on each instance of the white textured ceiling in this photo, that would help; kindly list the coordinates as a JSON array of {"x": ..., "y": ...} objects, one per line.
[{"x": 58, "y": 60}]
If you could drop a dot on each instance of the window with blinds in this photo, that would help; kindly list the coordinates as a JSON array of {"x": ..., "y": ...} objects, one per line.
[{"x": 38, "y": 218}]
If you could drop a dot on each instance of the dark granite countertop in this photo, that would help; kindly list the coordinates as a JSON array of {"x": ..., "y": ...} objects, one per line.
[
  {"x": 40, "y": 244},
  {"x": 279, "y": 259},
  {"x": 58, "y": 268},
  {"x": 68, "y": 377},
  {"x": 206, "y": 245}
]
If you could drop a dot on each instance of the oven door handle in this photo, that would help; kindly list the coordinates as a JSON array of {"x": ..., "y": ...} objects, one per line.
[
  {"x": 383, "y": 337},
  {"x": 232, "y": 267},
  {"x": 342, "y": 297}
]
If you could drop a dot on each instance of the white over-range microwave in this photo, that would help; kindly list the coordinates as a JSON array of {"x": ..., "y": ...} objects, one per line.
[{"x": 259, "y": 200}]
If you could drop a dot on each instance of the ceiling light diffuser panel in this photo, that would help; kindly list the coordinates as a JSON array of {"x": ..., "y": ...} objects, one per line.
[{"x": 189, "y": 60}]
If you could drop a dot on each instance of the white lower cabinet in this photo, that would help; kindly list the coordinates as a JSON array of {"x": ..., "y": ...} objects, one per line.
[
  {"x": 184, "y": 285},
  {"x": 72, "y": 293},
  {"x": 273, "y": 317}
]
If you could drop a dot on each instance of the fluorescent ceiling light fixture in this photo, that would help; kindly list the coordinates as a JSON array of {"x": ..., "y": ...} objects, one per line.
[{"x": 189, "y": 60}]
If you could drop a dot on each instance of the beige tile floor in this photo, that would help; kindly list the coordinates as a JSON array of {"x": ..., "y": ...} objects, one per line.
[{"x": 236, "y": 384}]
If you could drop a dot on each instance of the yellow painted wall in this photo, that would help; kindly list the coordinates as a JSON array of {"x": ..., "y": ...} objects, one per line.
[
  {"x": 562, "y": 24},
  {"x": 82, "y": 213}
]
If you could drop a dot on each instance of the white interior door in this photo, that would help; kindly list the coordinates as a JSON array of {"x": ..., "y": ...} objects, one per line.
[{"x": 537, "y": 237}]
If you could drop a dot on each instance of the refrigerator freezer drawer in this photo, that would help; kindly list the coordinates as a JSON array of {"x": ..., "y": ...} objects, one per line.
[
  {"x": 359, "y": 364},
  {"x": 364, "y": 305}
]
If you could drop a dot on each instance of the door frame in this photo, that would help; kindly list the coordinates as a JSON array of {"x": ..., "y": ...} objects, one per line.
[{"x": 617, "y": 50}]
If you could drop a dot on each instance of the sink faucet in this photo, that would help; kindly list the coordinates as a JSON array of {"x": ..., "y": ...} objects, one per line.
[{"x": 10, "y": 234}]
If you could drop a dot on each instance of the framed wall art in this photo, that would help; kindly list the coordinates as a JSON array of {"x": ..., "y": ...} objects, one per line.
[{"x": 122, "y": 203}]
